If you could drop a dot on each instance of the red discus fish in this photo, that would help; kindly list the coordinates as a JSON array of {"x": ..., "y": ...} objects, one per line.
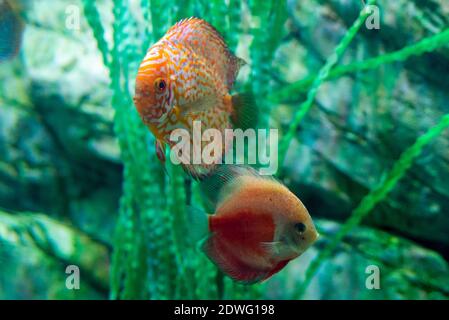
[
  {"x": 258, "y": 225},
  {"x": 187, "y": 75}
]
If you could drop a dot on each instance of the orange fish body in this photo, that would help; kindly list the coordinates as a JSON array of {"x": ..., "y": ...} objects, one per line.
[
  {"x": 258, "y": 227},
  {"x": 186, "y": 76}
]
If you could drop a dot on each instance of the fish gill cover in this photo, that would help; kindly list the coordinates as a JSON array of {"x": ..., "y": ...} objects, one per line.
[{"x": 150, "y": 256}]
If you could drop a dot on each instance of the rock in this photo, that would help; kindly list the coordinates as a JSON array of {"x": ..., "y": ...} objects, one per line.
[
  {"x": 58, "y": 153},
  {"x": 361, "y": 123},
  {"x": 71, "y": 93},
  {"x": 35, "y": 251}
]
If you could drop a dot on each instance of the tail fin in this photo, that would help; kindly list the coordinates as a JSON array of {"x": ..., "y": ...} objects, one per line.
[
  {"x": 245, "y": 112},
  {"x": 197, "y": 172},
  {"x": 198, "y": 222}
]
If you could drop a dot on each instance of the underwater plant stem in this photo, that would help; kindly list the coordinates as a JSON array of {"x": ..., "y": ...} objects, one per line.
[
  {"x": 272, "y": 16},
  {"x": 234, "y": 17},
  {"x": 188, "y": 188},
  {"x": 426, "y": 45},
  {"x": 133, "y": 240},
  {"x": 320, "y": 78},
  {"x": 379, "y": 193},
  {"x": 146, "y": 12},
  {"x": 93, "y": 19},
  {"x": 160, "y": 18},
  {"x": 124, "y": 225},
  {"x": 220, "y": 285}
]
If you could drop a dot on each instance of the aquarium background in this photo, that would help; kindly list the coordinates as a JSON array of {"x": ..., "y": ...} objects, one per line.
[{"x": 362, "y": 113}]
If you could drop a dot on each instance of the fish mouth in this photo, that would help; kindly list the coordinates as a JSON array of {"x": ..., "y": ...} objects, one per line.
[{"x": 302, "y": 243}]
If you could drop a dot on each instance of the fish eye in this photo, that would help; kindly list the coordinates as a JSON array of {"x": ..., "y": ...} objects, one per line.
[
  {"x": 160, "y": 84},
  {"x": 300, "y": 227}
]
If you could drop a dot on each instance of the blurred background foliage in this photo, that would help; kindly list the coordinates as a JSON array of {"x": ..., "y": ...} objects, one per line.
[{"x": 362, "y": 120}]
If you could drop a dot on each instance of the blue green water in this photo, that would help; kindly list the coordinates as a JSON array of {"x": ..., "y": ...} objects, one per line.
[{"x": 360, "y": 101}]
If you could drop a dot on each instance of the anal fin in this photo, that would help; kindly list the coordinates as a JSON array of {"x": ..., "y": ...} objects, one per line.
[
  {"x": 230, "y": 264},
  {"x": 276, "y": 269}
]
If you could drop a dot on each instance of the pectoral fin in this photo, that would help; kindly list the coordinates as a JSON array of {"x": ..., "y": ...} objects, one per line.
[
  {"x": 277, "y": 249},
  {"x": 273, "y": 248}
]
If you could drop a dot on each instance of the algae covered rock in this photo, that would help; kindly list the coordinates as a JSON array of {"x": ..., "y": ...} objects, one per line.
[
  {"x": 361, "y": 122},
  {"x": 35, "y": 252},
  {"x": 58, "y": 153}
]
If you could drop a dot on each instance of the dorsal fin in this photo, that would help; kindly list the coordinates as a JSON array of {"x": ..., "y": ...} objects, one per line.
[{"x": 219, "y": 185}]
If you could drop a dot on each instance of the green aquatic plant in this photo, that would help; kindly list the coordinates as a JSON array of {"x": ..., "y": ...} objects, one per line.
[
  {"x": 400, "y": 167},
  {"x": 140, "y": 201},
  {"x": 305, "y": 107},
  {"x": 94, "y": 20},
  {"x": 151, "y": 258},
  {"x": 423, "y": 46},
  {"x": 267, "y": 15},
  {"x": 312, "y": 84}
]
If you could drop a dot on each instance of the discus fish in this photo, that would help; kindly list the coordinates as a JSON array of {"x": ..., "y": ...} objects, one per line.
[
  {"x": 187, "y": 76},
  {"x": 11, "y": 29},
  {"x": 257, "y": 228}
]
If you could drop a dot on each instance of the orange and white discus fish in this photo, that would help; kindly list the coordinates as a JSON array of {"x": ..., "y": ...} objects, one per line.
[
  {"x": 187, "y": 75},
  {"x": 257, "y": 228}
]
